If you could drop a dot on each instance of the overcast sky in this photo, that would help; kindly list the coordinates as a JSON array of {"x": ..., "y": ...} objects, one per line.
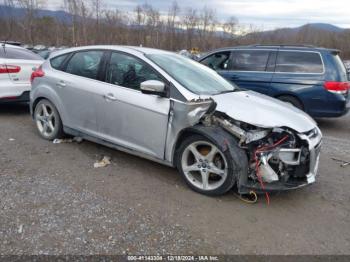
[{"x": 267, "y": 14}]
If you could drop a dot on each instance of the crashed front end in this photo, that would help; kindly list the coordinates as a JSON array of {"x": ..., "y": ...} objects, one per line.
[{"x": 279, "y": 157}]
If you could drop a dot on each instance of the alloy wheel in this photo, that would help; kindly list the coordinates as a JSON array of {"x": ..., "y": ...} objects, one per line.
[
  {"x": 45, "y": 119},
  {"x": 204, "y": 165}
]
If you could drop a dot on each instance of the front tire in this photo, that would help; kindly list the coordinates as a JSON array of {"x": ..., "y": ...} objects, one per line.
[
  {"x": 205, "y": 168},
  {"x": 48, "y": 120}
]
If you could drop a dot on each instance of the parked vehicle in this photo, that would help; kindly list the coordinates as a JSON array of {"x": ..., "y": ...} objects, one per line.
[
  {"x": 16, "y": 67},
  {"x": 312, "y": 79},
  {"x": 173, "y": 110}
]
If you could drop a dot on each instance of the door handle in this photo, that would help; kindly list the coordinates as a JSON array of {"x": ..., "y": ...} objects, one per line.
[
  {"x": 61, "y": 83},
  {"x": 110, "y": 97}
]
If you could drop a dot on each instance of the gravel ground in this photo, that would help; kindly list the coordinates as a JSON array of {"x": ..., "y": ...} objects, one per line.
[{"x": 52, "y": 201}]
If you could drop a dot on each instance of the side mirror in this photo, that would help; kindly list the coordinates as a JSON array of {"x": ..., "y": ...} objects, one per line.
[{"x": 153, "y": 87}]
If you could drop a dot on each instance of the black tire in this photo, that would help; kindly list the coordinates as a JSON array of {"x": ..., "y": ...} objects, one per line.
[
  {"x": 57, "y": 132},
  {"x": 230, "y": 179},
  {"x": 293, "y": 101}
]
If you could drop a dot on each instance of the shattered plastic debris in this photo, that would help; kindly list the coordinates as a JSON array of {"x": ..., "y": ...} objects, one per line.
[
  {"x": 67, "y": 140},
  {"x": 20, "y": 229},
  {"x": 342, "y": 163},
  {"x": 106, "y": 160}
]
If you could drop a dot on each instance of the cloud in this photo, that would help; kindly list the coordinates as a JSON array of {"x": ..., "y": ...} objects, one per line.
[{"x": 265, "y": 13}]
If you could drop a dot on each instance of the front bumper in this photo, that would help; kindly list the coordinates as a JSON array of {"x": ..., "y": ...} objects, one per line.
[{"x": 315, "y": 142}]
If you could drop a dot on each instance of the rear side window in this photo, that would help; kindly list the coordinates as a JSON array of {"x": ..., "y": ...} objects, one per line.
[
  {"x": 340, "y": 67},
  {"x": 218, "y": 61},
  {"x": 57, "y": 61},
  {"x": 19, "y": 53},
  {"x": 250, "y": 60},
  {"x": 299, "y": 62},
  {"x": 85, "y": 64}
]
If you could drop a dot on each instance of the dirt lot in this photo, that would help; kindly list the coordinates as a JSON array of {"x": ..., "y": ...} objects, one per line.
[{"x": 52, "y": 201}]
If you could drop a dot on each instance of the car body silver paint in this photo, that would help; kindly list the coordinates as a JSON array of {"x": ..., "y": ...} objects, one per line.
[
  {"x": 181, "y": 116},
  {"x": 149, "y": 125},
  {"x": 263, "y": 111}
]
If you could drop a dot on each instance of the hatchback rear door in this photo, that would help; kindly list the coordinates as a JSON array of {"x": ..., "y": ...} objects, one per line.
[
  {"x": 21, "y": 63},
  {"x": 5, "y": 82}
]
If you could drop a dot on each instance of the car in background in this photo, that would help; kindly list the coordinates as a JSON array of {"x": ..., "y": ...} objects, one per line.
[
  {"x": 175, "y": 111},
  {"x": 16, "y": 66},
  {"x": 312, "y": 79},
  {"x": 347, "y": 65}
]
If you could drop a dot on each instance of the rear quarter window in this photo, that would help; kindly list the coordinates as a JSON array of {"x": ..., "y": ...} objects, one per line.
[
  {"x": 57, "y": 61},
  {"x": 299, "y": 62},
  {"x": 340, "y": 67}
]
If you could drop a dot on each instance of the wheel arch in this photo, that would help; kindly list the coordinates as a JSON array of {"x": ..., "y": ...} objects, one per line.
[
  {"x": 47, "y": 93},
  {"x": 217, "y": 135},
  {"x": 278, "y": 96}
]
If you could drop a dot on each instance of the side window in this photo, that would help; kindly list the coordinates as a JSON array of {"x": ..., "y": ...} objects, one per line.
[
  {"x": 298, "y": 62},
  {"x": 85, "y": 64},
  {"x": 19, "y": 53},
  {"x": 57, "y": 61},
  {"x": 250, "y": 60},
  {"x": 218, "y": 61},
  {"x": 128, "y": 71}
]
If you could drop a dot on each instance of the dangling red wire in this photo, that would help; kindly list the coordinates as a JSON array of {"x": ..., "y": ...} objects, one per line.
[{"x": 260, "y": 150}]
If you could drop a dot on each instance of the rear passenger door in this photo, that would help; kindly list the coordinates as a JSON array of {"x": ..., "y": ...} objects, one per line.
[
  {"x": 78, "y": 88},
  {"x": 252, "y": 69},
  {"x": 300, "y": 74}
]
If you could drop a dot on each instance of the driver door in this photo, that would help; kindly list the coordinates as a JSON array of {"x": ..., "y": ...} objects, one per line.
[{"x": 126, "y": 116}]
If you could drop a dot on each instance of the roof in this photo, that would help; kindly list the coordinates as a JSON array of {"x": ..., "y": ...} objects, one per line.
[
  {"x": 129, "y": 49},
  {"x": 12, "y": 46},
  {"x": 280, "y": 47}
]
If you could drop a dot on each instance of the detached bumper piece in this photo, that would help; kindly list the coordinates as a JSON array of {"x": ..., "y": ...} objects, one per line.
[{"x": 292, "y": 164}]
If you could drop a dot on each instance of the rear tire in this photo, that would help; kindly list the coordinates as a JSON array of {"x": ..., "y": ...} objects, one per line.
[
  {"x": 205, "y": 168},
  {"x": 48, "y": 120},
  {"x": 293, "y": 101}
]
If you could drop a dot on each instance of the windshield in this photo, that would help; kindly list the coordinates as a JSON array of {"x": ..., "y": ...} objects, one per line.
[{"x": 197, "y": 78}]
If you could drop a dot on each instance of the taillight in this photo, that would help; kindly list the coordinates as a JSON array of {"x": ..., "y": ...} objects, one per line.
[
  {"x": 37, "y": 73},
  {"x": 337, "y": 87},
  {"x": 9, "y": 69}
]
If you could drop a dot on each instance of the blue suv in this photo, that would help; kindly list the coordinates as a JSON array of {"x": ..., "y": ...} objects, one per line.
[{"x": 310, "y": 78}]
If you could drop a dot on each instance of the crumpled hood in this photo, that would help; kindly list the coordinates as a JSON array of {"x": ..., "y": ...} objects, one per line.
[{"x": 263, "y": 111}]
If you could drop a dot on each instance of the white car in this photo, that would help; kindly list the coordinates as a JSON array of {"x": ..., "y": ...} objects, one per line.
[{"x": 16, "y": 66}]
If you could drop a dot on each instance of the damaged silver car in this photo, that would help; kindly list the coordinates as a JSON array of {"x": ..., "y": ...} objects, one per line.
[{"x": 170, "y": 109}]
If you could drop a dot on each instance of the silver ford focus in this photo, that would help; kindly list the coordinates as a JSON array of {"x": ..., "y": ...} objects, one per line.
[{"x": 170, "y": 109}]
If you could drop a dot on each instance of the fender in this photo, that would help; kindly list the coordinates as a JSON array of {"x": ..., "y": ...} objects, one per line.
[{"x": 46, "y": 92}]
